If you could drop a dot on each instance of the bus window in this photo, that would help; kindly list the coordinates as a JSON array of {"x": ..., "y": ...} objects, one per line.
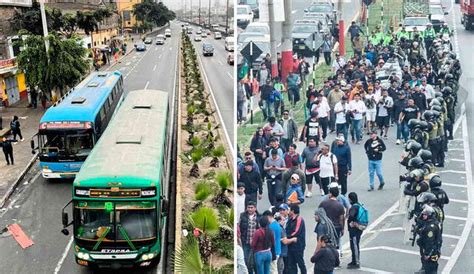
[
  {"x": 102, "y": 114},
  {"x": 107, "y": 107}
]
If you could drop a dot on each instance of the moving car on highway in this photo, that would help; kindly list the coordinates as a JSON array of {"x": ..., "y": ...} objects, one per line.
[
  {"x": 302, "y": 29},
  {"x": 140, "y": 47},
  {"x": 207, "y": 49},
  {"x": 148, "y": 41},
  {"x": 244, "y": 15},
  {"x": 258, "y": 27},
  {"x": 197, "y": 38},
  {"x": 217, "y": 35},
  {"x": 168, "y": 32},
  {"x": 160, "y": 39},
  {"x": 204, "y": 34},
  {"x": 229, "y": 43}
]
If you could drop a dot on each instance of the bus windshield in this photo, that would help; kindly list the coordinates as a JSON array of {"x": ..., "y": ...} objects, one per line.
[
  {"x": 115, "y": 221},
  {"x": 67, "y": 145}
]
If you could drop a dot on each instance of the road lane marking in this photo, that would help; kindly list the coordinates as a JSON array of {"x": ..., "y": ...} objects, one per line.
[
  {"x": 294, "y": 11},
  {"x": 128, "y": 63},
  {"x": 136, "y": 64},
  {"x": 219, "y": 61},
  {"x": 63, "y": 257},
  {"x": 389, "y": 248},
  {"x": 457, "y": 160},
  {"x": 154, "y": 68},
  {"x": 146, "y": 86},
  {"x": 452, "y": 171},
  {"x": 451, "y": 236},
  {"x": 455, "y": 218},
  {"x": 159, "y": 56},
  {"x": 454, "y": 185},
  {"x": 171, "y": 48},
  {"x": 231, "y": 147},
  {"x": 386, "y": 229},
  {"x": 373, "y": 270},
  {"x": 458, "y": 201},
  {"x": 230, "y": 75}
]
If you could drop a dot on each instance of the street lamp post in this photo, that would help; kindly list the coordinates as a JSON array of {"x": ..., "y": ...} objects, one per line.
[
  {"x": 209, "y": 13},
  {"x": 227, "y": 17},
  {"x": 45, "y": 25},
  {"x": 199, "y": 16}
]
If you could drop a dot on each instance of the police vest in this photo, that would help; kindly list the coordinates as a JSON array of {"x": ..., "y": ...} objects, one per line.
[
  {"x": 441, "y": 126},
  {"x": 434, "y": 131},
  {"x": 429, "y": 33}
]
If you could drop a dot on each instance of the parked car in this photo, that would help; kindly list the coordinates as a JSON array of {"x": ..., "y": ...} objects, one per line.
[
  {"x": 160, "y": 39},
  {"x": 230, "y": 59},
  {"x": 207, "y": 49},
  {"x": 140, "y": 47},
  {"x": 217, "y": 35}
]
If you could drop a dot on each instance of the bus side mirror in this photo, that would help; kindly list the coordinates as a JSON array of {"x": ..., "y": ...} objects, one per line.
[
  {"x": 32, "y": 144},
  {"x": 65, "y": 219},
  {"x": 65, "y": 231},
  {"x": 164, "y": 207}
]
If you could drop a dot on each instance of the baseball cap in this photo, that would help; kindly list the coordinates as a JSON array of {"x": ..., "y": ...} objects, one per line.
[
  {"x": 295, "y": 176},
  {"x": 340, "y": 138},
  {"x": 284, "y": 207},
  {"x": 333, "y": 185}
]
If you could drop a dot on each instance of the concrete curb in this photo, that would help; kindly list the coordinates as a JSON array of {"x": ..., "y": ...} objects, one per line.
[
  {"x": 12, "y": 188},
  {"x": 179, "y": 164}
]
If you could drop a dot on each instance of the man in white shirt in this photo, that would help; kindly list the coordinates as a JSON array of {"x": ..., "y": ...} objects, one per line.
[
  {"x": 328, "y": 168},
  {"x": 321, "y": 107},
  {"x": 340, "y": 110},
  {"x": 370, "y": 100},
  {"x": 384, "y": 106},
  {"x": 240, "y": 200},
  {"x": 338, "y": 63},
  {"x": 427, "y": 89},
  {"x": 357, "y": 109}
]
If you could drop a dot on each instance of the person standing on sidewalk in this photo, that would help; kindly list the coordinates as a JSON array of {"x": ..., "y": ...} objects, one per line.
[
  {"x": 342, "y": 151},
  {"x": 296, "y": 235},
  {"x": 7, "y": 150},
  {"x": 374, "y": 147},
  {"x": 290, "y": 130},
  {"x": 355, "y": 233},
  {"x": 15, "y": 128}
]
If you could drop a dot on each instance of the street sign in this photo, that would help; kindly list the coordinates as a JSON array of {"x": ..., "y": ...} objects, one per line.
[
  {"x": 251, "y": 52},
  {"x": 314, "y": 41}
]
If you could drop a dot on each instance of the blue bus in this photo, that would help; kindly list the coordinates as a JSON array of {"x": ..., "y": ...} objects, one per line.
[{"x": 70, "y": 128}]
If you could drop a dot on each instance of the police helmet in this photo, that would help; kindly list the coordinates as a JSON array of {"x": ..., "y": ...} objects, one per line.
[
  {"x": 426, "y": 197},
  {"x": 436, "y": 114},
  {"x": 425, "y": 155},
  {"x": 440, "y": 100},
  {"x": 428, "y": 115},
  {"x": 413, "y": 146},
  {"x": 423, "y": 125},
  {"x": 428, "y": 211},
  {"x": 449, "y": 76},
  {"x": 447, "y": 90},
  {"x": 415, "y": 162},
  {"x": 452, "y": 55},
  {"x": 437, "y": 108},
  {"x": 416, "y": 173},
  {"x": 413, "y": 123},
  {"x": 438, "y": 95},
  {"x": 435, "y": 102},
  {"x": 434, "y": 180}
]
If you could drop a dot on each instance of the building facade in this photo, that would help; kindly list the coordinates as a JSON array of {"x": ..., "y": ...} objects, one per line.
[{"x": 125, "y": 8}]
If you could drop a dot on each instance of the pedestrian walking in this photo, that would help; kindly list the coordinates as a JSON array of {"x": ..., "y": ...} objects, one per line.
[
  {"x": 325, "y": 257},
  {"x": 240, "y": 260},
  {"x": 248, "y": 225},
  {"x": 384, "y": 107},
  {"x": 240, "y": 200},
  {"x": 342, "y": 151},
  {"x": 275, "y": 228},
  {"x": 15, "y": 128},
  {"x": 7, "y": 147},
  {"x": 294, "y": 194},
  {"x": 290, "y": 130},
  {"x": 341, "y": 112},
  {"x": 293, "y": 82},
  {"x": 292, "y": 155},
  {"x": 311, "y": 166},
  {"x": 357, "y": 109},
  {"x": 410, "y": 111},
  {"x": 328, "y": 168},
  {"x": 296, "y": 235},
  {"x": 334, "y": 97},
  {"x": 327, "y": 49},
  {"x": 262, "y": 244},
  {"x": 34, "y": 97},
  {"x": 356, "y": 223},
  {"x": 283, "y": 259},
  {"x": 43, "y": 98},
  {"x": 335, "y": 212},
  {"x": 374, "y": 147},
  {"x": 274, "y": 167},
  {"x": 312, "y": 129},
  {"x": 252, "y": 181},
  {"x": 257, "y": 146}
]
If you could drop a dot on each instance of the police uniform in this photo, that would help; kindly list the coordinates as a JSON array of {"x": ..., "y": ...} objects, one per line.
[
  {"x": 450, "y": 107},
  {"x": 441, "y": 142},
  {"x": 434, "y": 143},
  {"x": 430, "y": 35},
  {"x": 429, "y": 242}
]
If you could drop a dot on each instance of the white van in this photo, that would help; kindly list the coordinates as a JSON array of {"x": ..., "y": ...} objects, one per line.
[
  {"x": 167, "y": 32},
  {"x": 229, "y": 43},
  {"x": 244, "y": 16}
]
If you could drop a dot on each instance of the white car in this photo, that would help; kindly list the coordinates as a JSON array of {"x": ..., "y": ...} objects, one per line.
[
  {"x": 197, "y": 38},
  {"x": 167, "y": 32},
  {"x": 204, "y": 34},
  {"x": 244, "y": 16},
  {"x": 217, "y": 35},
  {"x": 419, "y": 22},
  {"x": 229, "y": 43},
  {"x": 258, "y": 27}
]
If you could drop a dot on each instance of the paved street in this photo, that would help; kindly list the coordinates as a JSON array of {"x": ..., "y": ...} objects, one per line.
[
  {"x": 37, "y": 203},
  {"x": 382, "y": 247},
  {"x": 220, "y": 77}
]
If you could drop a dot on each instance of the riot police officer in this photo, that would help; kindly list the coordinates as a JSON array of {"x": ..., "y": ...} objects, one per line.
[
  {"x": 429, "y": 240},
  {"x": 411, "y": 149},
  {"x": 427, "y": 157},
  {"x": 450, "y": 107},
  {"x": 434, "y": 140},
  {"x": 435, "y": 188}
]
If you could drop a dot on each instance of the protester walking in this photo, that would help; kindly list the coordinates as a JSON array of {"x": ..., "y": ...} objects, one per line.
[
  {"x": 7, "y": 147},
  {"x": 356, "y": 222},
  {"x": 290, "y": 130},
  {"x": 311, "y": 166},
  {"x": 324, "y": 226},
  {"x": 335, "y": 212},
  {"x": 296, "y": 235},
  {"x": 342, "y": 151},
  {"x": 15, "y": 128},
  {"x": 374, "y": 147},
  {"x": 328, "y": 168},
  {"x": 248, "y": 225},
  {"x": 325, "y": 257},
  {"x": 275, "y": 228},
  {"x": 274, "y": 167}
]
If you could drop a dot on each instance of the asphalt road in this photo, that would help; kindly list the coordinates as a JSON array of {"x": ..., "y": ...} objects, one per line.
[
  {"x": 382, "y": 246},
  {"x": 36, "y": 205},
  {"x": 220, "y": 78}
]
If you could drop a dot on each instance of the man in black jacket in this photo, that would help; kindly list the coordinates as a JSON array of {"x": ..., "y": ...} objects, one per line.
[
  {"x": 7, "y": 150},
  {"x": 296, "y": 234},
  {"x": 253, "y": 182},
  {"x": 374, "y": 148}
]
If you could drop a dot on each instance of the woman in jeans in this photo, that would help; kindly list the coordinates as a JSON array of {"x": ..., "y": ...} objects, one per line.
[{"x": 262, "y": 244}]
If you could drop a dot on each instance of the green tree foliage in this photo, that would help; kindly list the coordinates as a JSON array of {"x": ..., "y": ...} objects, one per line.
[
  {"x": 149, "y": 11},
  {"x": 206, "y": 220},
  {"x": 62, "y": 67},
  {"x": 187, "y": 259}
]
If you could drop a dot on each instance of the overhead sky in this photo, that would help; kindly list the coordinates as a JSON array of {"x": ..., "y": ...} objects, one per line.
[{"x": 179, "y": 4}]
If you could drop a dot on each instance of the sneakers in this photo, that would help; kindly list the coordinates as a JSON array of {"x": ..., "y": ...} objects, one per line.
[
  {"x": 398, "y": 141},
  {"x": 370, "y": 189},
  {"x": 309, "y": 194},
  {"x": 22, "y": 139},
  {"x": 322, "y": 192},
  {"x": 353, "y": 266},
  {"x": 380, "y": 187}
]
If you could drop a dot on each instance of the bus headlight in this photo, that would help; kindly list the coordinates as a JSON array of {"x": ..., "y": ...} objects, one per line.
[
  {"x": 148, "y": 256},
  {"x": 86, "y": 256},
  {"x": 46, "y": 170}
]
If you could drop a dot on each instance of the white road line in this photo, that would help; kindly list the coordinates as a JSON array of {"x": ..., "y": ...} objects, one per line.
[
  {"x": 454, "y": 185},
  {"x": 372, "y": 270},
  {"x": 387, "y": 229},
  {"x": 230, "y": 75},
  {"x": 217, "y": 107},
  {"x": 455, "y": 218},
  {"x": 470, "y": 215},
  {"x": 146, "y": 86},
  {"x": 220, "y": 63},
  {"x": 63, "y": 257},
  {"x": 452, "y": 171},
  {"x": 451, "y": 236},
  {"x": 171, "y": 48},
  {"x": 159, "y": 56},
  {"x": 457, "y": 160},
  {"x": 458, "y": 201},
  {"x": 388, "y": 248},
  {"x": 294, "y": 11},
  {"x": 136, "y": 64},
  {"x": 154, "y": 68},
  {"x": 128, "y": 63},
  {"x": 156, "y": 48},
  {"x": 455, "y": 149}
]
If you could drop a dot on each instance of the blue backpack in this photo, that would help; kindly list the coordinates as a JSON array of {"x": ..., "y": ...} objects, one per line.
[{"x": 362, "y": 216}]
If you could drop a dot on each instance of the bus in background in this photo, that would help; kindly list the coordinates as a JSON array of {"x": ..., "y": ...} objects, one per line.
[
  {"x": 119, "y": 206},
  {"x": 70, "y": 128}
]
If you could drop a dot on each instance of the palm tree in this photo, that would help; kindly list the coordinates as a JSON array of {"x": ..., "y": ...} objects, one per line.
[
  {"x": 224, "y": 180},
  {"x": 196, "y": 156},
  {"x": 202, "y": 191},
  {"x": 216, "y": 154},
  {"x": 205, "y": 221},
  {"x": 187, "y": 258}
]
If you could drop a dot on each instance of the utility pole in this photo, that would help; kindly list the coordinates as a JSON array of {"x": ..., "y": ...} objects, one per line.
[
  {"x": 227, "y": 18},
  {"x": 287, "y": 44},
  {"x": 45, "y": 25},
  {"x": 209, "y": 13},
  {"x": 191, "y": 10},
  {"x": 199, "y": 16},
  {"x": 273, "y": 51}
]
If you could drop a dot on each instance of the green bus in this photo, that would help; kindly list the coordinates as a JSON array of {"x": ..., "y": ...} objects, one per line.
[{"x": 119, "y": 204}]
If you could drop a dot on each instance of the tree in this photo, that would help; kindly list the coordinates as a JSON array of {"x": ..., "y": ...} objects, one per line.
[
  {"x": 61, "y": 67},
  {"x": 151, "y": 12}
]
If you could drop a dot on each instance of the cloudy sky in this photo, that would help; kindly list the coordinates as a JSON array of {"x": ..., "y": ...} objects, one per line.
[{"x": 178, "y": 4}]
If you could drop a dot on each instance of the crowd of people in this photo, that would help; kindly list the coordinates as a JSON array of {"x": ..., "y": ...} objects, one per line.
[{"x": 403, "y": 80}]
